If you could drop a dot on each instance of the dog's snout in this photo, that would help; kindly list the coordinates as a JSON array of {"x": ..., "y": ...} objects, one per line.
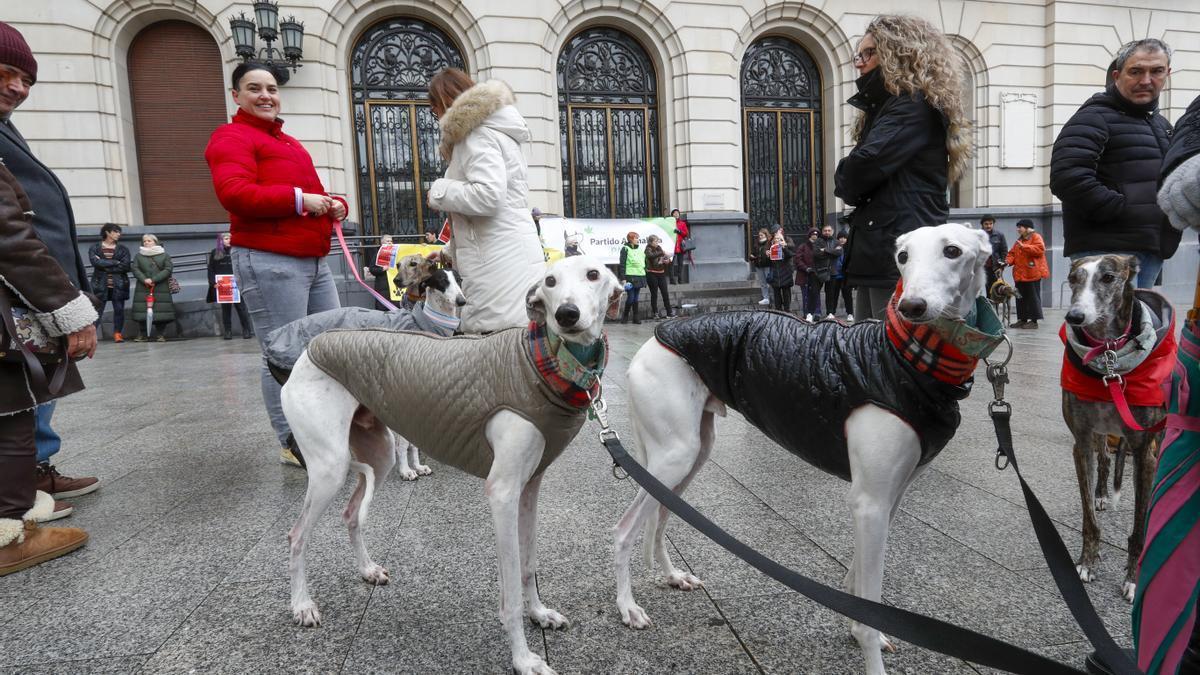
[
  {"x": 913, "y": 307},
  {"x": 566, "y": 315},
  {"x": 460, "y": 301},
  {"x": 1075, "y": 317}
]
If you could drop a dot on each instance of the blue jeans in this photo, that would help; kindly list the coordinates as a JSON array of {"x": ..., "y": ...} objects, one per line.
[
  {"x": 46, "y": 439},
  {"x": 1149, "y": 264},
  {"x": 761, "y": 273},
  {"x": 277, "y": 290}
]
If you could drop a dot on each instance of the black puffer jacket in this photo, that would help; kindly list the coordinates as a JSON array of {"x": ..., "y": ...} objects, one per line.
[
  {"x": 1105, "y": 168},
  {"x": 1185, "y": 142},
  {"x": 798, "y": 382},
  {"x": 896, "y": 177}
]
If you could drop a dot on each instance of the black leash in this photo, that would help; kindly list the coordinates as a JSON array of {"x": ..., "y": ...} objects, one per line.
[{"x": 918, "y": 629}]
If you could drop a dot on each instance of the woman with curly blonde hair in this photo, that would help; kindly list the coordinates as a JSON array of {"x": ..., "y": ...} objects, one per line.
[{"x": 912, "y": 139}]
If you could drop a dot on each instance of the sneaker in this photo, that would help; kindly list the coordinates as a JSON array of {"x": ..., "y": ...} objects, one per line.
[
  {"x": 117, "y": 337},
  {"x": 61, "y": 510},
  {"x": 830, "y": 317},
  {"x": 161, "y": 338},
  {"x": 1017, "y": 324},
  {"x": 764, "y": 301},
  {"x": 287, "y": 457},
  {"x": 32, "y": 545},
  {"x": 50, "y": 481},
  {"x": 1032, "y": 325},
  {"x": 140, "y": 338},
  {"x": 849, "y": 318},
  {"x": 808, "y": 318}
]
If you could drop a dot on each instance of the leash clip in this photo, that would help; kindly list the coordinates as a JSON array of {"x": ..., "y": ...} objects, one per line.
[
  {"x": 1109, "y": 358},
  {"x": 997, "y": 374}
]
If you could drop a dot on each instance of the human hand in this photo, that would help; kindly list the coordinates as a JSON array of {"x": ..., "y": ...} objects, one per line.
[
  {"x": 149, "y": 283},
  {"x": 82, "y": 342},
  {"x": 316, "y": 204},
  {"x": 339, "y": 210}
]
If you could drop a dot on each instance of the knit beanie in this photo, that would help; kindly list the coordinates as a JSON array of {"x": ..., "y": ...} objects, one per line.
[
  {"x": 1179, "y": 197},
  {"x": 15, "y": 51}
]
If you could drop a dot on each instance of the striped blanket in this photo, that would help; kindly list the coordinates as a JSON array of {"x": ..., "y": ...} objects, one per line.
[{"x": 1164, "y": 611}]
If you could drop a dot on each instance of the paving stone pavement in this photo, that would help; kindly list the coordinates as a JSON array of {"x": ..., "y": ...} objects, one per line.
[{"x": 186, "y": 570}]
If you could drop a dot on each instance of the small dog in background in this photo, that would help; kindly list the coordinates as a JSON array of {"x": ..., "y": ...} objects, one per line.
[
  {"x": 1001, "y": 295},
  {"x": 1114, "y": 333}
]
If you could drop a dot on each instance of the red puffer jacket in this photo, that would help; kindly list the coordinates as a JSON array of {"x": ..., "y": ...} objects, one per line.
[{"x": 256, "y": 169}]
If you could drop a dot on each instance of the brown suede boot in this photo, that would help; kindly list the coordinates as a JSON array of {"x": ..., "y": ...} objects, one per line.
[{"x": 23, "y": 544}]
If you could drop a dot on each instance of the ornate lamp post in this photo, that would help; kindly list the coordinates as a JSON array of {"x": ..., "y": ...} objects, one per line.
[{"x": 269, "y": 28}]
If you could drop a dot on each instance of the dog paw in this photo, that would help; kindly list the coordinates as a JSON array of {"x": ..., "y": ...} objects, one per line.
[
  {"x": 408, "y": 474},
  {"x": 635, "y": 617},
  {"x": 683, "y": 581},
  {"x": 1101, "y": 503},
  {"x": 376, "y": 575},
  {"x": 423, "y": 470},
  {"x": 532, "y": 665},
  {"x": 306, "y": 614},
  {"x": 548, "y": 618},
  {"x": 886, "y": 644},
  {"x": 1086, "y": 575},
  {"x": 1129, "y": 589}
]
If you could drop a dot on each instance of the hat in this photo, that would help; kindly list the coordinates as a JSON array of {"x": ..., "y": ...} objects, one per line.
[
  {"x": 1025, "y": 222},
  {"x": 15, "y": 51}
]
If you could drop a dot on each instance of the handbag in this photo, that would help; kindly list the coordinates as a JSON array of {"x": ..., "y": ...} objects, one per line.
[
  {"x": 22, "y": 340},
  {"x": 686, "y": 245},
  {"x": 173, "y": 285}
]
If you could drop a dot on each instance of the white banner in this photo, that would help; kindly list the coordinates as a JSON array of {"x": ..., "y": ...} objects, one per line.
[{"x": 602, "y": 238}]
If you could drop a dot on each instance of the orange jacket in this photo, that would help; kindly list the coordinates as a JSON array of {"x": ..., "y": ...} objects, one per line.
[{"x": 1028, "y": 259}]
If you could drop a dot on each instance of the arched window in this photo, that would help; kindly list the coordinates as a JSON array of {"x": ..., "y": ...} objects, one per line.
[
  {"x": 172, "y": 124},
  {"x": 608, "y": 127},
  {"x": 781, "y": 125},
  {"x": 396, "y": 134}
]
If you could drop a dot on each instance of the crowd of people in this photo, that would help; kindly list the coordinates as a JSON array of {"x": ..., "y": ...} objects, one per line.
[{"x": 911, "y": 142}]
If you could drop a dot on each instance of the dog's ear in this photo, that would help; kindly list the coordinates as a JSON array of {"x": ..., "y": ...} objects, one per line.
[
  {"x": 535, "y": 304},
  {"x": 1135, "y": 266},
  {"x": 985, "y": 246}
]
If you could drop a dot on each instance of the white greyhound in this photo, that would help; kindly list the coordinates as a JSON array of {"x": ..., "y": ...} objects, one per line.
[
  {"x": 338, "y": 432},
  {"x": 943, "y": 275}
]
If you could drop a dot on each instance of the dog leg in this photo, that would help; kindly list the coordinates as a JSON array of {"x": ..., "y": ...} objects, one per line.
[
  {"x": 373, "y": 450},
  {"x": 673, "y": 576},
  {"x": 414, "y": 459},
  {"x": 879, "y": 475},
  {"x": 1085, "y": 451},
  {"x": 625, "y": 535},
  {"x": 1144, "y": 468},
  {"x": 517, "y": 446},
  {"x": 1103, "y": 492},
  {"x": 527, "y": 531},
  {"x": 319, "y": 411},
  {"x": 406, "y": 471},
  {"x": 1118, "y": 474}
]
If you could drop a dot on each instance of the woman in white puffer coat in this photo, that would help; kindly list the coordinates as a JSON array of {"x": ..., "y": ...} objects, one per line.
[{"x": 494, "y": 243}]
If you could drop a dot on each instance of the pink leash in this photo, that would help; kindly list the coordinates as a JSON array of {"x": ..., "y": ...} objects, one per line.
[
  {"x": 1118, "y": 396},
  {"x": 337, "y": 228}
]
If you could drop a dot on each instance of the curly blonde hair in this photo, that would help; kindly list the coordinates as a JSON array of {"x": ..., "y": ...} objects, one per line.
[{"x": 915, "y": 56}]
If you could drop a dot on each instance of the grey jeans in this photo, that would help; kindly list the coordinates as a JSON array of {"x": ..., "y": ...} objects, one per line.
[
  {"x": 277, "y": 290},
  {"x": 871, "y": 303}
]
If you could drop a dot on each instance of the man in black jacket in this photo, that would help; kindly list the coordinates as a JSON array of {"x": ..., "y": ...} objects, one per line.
[
  {"x": 53, "y": 221},
  {"x": 995, "y": 262},
  {"x": 1106, "y": 161}
]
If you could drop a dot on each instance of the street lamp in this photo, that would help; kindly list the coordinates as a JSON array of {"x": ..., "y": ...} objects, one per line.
[{"x": 266, "y": 14}]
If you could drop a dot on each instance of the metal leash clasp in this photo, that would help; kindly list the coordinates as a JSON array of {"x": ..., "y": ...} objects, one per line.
[
  {"x": 598, "y": 410},
  {"x": 1109, "y": 360},
  {"x": 997, "y": 375}
]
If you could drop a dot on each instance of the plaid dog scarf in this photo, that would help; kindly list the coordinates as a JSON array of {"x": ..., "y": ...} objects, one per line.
[
  {"x": 945, "y": 349},
  {"x": 564, "y": 370}
]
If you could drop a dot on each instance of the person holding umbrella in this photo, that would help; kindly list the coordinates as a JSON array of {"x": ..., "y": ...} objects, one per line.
[{"x": 152, "y": 305}]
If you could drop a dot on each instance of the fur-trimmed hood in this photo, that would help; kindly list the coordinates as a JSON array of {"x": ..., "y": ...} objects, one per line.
[{"x": 489, "y": 104}]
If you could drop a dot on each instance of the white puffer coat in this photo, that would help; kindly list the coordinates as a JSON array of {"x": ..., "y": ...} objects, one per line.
[{"x": 495, "y": 244}]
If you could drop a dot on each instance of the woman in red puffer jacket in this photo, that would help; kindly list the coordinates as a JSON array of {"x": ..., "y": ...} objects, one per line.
[{"x": 280, "y": 219}]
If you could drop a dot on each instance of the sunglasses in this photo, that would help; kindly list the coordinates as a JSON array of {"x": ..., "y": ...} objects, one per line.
[{"x": 865, "y": 55}]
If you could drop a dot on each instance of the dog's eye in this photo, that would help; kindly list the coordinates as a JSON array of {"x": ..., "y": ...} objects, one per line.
[
  {"x": 550, "y": 281},
  {"x": 593, "y": 275},
  {"x": 952, "y": 251},
  {"x": 902, "y": 257},
  {"x": 1108, "y": 277}
]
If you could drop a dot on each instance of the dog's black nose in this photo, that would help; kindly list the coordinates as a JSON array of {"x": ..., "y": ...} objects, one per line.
[
  {"x": 566, "y": 315},
  {"x": 913, "y": 307},
  {"x": 460, "y": 301},
  {"x": 1075, "y": 317}
]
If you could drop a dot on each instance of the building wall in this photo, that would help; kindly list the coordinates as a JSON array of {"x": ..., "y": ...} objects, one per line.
[{"x": 1033, "y": 62}]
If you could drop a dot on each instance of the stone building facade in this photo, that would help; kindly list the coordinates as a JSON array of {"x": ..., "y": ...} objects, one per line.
[{"x": 635, "y": 106}]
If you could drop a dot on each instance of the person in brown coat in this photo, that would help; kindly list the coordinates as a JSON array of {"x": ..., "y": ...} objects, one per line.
[
  {"x": 1028, "y": 261},
  {"x": 43, "y": 298}
]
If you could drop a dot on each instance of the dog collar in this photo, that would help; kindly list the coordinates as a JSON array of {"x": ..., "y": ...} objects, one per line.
[
  {"x": 445, "y": 323},
  {"x": 561, "y": 370},
  {"x": 945, "y": 349}
]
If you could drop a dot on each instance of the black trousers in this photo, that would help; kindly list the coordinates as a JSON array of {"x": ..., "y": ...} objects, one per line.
[
  {"x": 834, "y": 288},
  {"x": 657, "y": 281},
  {"x": 677, "y": 267},
  {"x": 1029, "y": 304},
  {"x": 18, "y": 457},
  {"x": 783, "y": 298},
  {"x": 227, "y": 316},
  {"x": 118, "y": 307}
]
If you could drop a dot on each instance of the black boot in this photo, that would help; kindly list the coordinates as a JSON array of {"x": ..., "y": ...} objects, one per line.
[
  {"x": 635, "y": 315},
  {"x": 625, "y": 314},
  {"x": 228, "y": 334}
]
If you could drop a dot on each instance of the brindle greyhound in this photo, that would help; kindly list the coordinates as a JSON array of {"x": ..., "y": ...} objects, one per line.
[{"x": 1103, "y": 312}]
